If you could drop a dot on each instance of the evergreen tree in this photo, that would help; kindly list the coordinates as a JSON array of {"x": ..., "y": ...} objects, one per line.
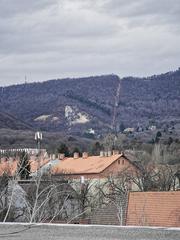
[
  {"x": 121, "y": 127},
  {"x": 96, "y": 148},
  {"x": 158, "y": 136},
  {"x": 63, "y": 148}
]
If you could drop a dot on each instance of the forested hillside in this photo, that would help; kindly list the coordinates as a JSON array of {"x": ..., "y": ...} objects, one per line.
[
  {"x": 82, "y": 104},
  {"x": 9, "y": 121}
]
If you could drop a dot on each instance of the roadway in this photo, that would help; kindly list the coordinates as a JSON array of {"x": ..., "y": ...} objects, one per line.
[{"x": 84, "y": 232}]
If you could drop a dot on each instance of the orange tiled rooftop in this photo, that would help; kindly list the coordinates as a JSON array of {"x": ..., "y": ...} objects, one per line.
[
  {"x": 91, "y": 164},
  {"x": 154, "y": 209}
]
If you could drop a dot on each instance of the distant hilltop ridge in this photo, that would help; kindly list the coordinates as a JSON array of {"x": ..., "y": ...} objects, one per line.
[
  {"x": 92, "y": 105},
  {"x": 57, "y": 79},
  {"x": 90, "y": 77}
]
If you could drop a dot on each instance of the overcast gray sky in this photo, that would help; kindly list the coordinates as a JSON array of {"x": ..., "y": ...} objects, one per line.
[{"x": 47, "y": 39}]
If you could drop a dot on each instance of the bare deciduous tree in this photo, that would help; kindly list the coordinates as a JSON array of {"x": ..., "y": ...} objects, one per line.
[
  {"x": 152, "y": 176},
  {"x": 115, "y": 190},
  {"x": 85, "y": 196}
]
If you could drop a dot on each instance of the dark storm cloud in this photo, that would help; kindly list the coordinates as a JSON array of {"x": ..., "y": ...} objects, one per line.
[{"x": 45, "y": 39}]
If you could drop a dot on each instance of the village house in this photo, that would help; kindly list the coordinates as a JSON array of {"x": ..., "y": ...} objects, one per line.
[
  {"x": 94, "y": 167},
  {"x": 10, "y": 159}
]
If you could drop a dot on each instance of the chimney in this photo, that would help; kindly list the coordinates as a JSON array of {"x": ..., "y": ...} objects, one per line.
[
  {"x": 101, "y": 154},
  {"x": 76, "y": 155},
  {"x": 85, "y": 155},
  {"x": 115, "y": 152},
  {"x": 61, "y": 156},
  {"x": 109, "y": 153},
  {"x": 82, "y": 179},
  {"x": 105, "y": 154}
]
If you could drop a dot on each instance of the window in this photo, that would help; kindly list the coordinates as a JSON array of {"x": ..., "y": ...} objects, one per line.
[{"x": 119, "y": 161}]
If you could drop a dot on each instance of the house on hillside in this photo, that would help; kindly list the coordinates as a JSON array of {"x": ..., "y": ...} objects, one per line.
[{"x": 129, "y": 130}]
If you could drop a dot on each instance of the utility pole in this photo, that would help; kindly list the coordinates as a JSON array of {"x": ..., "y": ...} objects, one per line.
[{"x": 38, "y": 139}]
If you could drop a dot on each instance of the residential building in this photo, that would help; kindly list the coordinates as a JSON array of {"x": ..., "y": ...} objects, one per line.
[
  {"x": 154, "y": 209},
  {"x": 94, "y": 167}
]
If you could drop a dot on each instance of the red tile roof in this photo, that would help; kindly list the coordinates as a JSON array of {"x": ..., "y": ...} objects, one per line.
[
  {"x": 90, "y": 165},
  {"x": 8, "y": 166},
  {"x": 154, "y": 209}
]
